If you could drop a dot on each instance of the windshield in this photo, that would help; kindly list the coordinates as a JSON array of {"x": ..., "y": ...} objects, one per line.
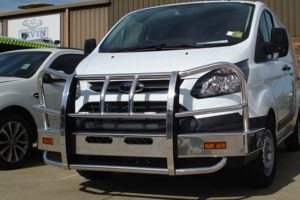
[
  {"x": 181, "y": 26},
  {"x": 21, "y": 64}
]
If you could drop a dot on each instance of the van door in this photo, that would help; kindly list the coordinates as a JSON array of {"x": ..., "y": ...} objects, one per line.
[
  {"x": 270, "y": 71},
  {"x": 287, "y": 83}
]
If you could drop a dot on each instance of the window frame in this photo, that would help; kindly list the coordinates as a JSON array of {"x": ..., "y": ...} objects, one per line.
[
  {"x": 258, "y": 46},
  {"x": 65, "y": 54}
]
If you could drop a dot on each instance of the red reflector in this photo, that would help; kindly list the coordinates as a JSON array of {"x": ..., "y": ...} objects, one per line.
[
  {"x": 48, "y": 141},
  {"x": 215, "y": 145}
]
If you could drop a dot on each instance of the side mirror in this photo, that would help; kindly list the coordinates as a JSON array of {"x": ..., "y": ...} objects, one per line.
[
  {"x": 47, "y": 78},
  {"x": 89, "y": 46},
  {"x": 279, "y": 42}
]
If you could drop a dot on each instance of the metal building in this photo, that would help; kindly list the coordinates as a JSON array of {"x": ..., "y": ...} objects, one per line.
[{"x": 73, "y": 23}]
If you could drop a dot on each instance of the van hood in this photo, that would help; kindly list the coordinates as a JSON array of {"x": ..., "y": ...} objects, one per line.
[
  {"x": 9, "y": 79},
  {"x": 160, "y": 61}
]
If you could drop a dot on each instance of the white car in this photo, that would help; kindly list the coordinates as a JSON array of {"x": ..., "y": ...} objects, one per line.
[
  {"x": 178, "y": 90},
  {"x": 18, "y": 93}
]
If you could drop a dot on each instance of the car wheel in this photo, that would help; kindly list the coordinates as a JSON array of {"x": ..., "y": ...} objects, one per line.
[
  {"x": 94, "y": 175},
  {"x": 260, "y": 172},
  {"x": 292, "y": 142},
  {"x": 15, "y": 141}
]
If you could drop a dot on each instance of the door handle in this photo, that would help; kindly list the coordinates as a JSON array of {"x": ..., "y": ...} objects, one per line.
[
  {"x": 286, "y": 68},
  {"x": 35, "y": 95}
]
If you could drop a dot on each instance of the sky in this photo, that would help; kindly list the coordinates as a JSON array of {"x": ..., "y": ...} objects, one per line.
[{"x": 12, "y": 5}]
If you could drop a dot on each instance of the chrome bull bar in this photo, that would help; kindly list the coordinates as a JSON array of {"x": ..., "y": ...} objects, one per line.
[{"x": 67, "y": 113}]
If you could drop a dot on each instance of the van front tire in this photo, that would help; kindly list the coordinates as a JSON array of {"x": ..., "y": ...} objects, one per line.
[{"x": 260, "y": 172}]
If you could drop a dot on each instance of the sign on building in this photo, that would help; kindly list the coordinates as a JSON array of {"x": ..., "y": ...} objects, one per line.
[{"x": 35, "y": 27}]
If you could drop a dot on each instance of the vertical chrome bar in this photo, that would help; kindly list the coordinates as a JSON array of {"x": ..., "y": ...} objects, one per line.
[
  {"x": 103, "y": 93},
  {"x": 170, "y": 123},
  {"x": 245, "y": 111},
  {"x": 244, "y": 100},
  {"x": 63, "y": 115},
  {"x": 131, "y": 94},
  {"x": 42, "y": 99}
]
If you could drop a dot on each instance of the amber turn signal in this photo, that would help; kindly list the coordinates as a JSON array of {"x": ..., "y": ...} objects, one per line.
[
  {"x": 48, "y": 141},
  {"x": 215, "y": 145}
]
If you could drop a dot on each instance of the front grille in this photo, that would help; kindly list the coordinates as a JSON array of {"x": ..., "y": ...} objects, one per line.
[
  {"x": 149, "y": 86},
  {"x": 119, "y": 125},
  {"x": 122, "y": 125},
  {"x": 136, "y": 126},
  {"x": 122, "y": 107}
]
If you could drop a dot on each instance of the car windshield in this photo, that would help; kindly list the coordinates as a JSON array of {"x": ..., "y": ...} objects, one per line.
[
  {"x": 184, "y": 26},
  {"x": 21, "y": 64}
]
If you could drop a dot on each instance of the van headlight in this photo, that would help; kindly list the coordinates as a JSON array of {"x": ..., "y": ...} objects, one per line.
[{"x": 215, "y": 83}]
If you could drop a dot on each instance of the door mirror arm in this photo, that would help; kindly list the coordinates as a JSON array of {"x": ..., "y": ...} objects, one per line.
[
  {"x": 47, "y": 78},
  {"x": 273, "y": 50}
]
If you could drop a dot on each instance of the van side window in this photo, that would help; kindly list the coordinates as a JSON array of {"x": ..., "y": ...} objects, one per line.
[
  {"x": 66, "y": 63},
  {"x": 270, "y": 23},
  {"x": 263, "y": 36}
]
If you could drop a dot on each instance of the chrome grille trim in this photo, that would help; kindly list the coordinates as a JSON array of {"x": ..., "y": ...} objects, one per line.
[
  {"x": 103, "y": 92},
  {"x": 118, "y": 115},
  {"x": 170, "y": 123},
  {"x": 131, "y": 94},
  {"x": 125, "y": 77}
]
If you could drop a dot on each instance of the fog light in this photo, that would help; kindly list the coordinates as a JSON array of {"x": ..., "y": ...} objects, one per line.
[
  {"x": 48, "y": 141},
  {"x": 215, "y": 145}
]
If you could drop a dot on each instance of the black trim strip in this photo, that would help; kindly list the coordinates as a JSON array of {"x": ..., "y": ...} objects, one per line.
[{"x": 229, "y": 122}]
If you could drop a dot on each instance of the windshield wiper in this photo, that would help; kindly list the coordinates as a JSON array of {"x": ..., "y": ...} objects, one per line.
[
  {"x": 157, "y": 47},
  {"x": 140, "y": 47},
  {"x": 183, "y": 46}
]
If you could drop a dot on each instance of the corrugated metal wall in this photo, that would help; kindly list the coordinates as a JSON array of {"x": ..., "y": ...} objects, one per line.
[
  {"x": 87, "y": 23},
  {"x": 288, "y": 11},
  {"x": 121, "y": 7}
]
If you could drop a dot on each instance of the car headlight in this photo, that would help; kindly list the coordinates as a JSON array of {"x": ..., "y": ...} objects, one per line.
[{"x": 215, "y": 83}]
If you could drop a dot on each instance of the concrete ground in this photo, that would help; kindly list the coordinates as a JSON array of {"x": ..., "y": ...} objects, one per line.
[{"x": 38, "y": 181}]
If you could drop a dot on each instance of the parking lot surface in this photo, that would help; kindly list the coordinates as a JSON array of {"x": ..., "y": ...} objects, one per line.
[{"x": 39, "y": 181}]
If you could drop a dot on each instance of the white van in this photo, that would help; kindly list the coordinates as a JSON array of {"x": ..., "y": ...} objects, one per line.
[{"x": 178, "y": 90}]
